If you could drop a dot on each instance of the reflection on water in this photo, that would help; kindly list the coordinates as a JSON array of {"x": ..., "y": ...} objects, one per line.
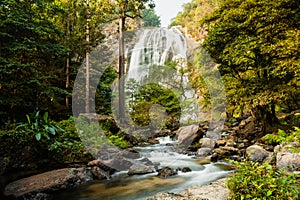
[{"x": 124, "y": 187}]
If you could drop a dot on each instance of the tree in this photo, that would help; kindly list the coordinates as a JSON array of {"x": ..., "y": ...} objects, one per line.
[
  {"x": 120, "y": 10},
  {"x": 150, "y": 18},
  {"x": 191, "y": 16},
  {"x": 87, "y": 51},
  {"x": 256, "y": 44},
  {"x": 81, "y": 21},
  {"x": 30, "y": 58}
]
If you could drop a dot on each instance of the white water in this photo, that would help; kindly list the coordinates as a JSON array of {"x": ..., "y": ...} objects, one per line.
[
  {"x": 150, "y": 63},
  {"x": 138, "y": 187},
  {"x": 154, "y": 49}
]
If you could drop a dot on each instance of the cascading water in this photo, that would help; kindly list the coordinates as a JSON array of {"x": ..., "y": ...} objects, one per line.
[
  {"x": 139, "y": 187},
  {"x": 160, "y": 57},
  {"x": 150, "y": 63},
  {"x": 156, "y": 47}
]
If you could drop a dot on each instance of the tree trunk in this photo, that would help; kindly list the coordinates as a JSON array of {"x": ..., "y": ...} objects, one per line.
[
  {"x": 68, "y": 56},
  {"x": 266, "y": 115},
  {"x": 87, "y": 75},
  {"x": 121, "y": 70}
]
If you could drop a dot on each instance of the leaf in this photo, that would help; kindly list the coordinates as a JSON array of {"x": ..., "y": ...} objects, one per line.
[
  {"x": 52, "y": 130},
  {"x": 28, "y": 119},
  {"x": 36, "y": 125},
  {"x": 45, "y": 117},
  {"x": 37, "y": 114},
  {"x": 269, "y": 193},
  {"x": 38, "y": 136},
  {"x": 47, "y": 136}
]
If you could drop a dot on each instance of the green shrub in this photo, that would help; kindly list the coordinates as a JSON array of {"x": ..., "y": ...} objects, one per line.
[
  {"x": 39, "y": 126},
  {"x": 261, "y": 181},
  {"x": 119, "y": 141},
  {"x": 66, "y": 146},
  {"x": 283, "y": 136}
]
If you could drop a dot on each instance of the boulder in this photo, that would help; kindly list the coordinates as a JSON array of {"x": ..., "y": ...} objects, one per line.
[
  {"x": 289, "y": 161},
  {"x": 221, "y": 142},
  {"x": 207, "y": 143},
  {"x": 257, "y": 153},
  {"x": 153, "y": 141},
  {"x": 99, "y": 173},
  {"x": 214, "y": 191},
  {"x": 186, "y": 169},
  {"x": 248, "y": 128},
  {"x": 287, "y": 147},
  {"x": 102, "y": 165},
  {"x": 226, "y": 151},
  {"x": 47, "y": 182},
  {"x": 286, "y": 157},
  {"x": 187, "y": 134},
  {"x": 139, "y": 168},
  {"x": 204, "y": 152},
  {"x": 166, "y": 171},
  {"x": 231, "y": 143},
  {"x": 129, "y": 153},
  {"x": 146, "y": 161},
  {"x": 215, "y": 135}
]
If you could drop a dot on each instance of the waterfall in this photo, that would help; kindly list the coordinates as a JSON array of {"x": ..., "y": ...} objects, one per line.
[
  {"x": 156, "y": 47},
  {"x": 160, "y": 57}
]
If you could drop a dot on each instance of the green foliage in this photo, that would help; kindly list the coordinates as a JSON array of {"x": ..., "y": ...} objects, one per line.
[
  {"x": 29, "y": 47},
  {"x": 118, "y": 140},
  {"x": 39, "y": 126},
  {"x": 96, "y": 136},
  {"x": 150, "y": 18},
  {"x": 66, "y": 146},
  {"x": 261, "y": 181},
  {"x": 256, "y": 45},
  {"x": 104, "y": 93},
  {"x": 207, "y": 82},
  {"x": 192, "y": 14},
  {"x": 154, "y": 94},
  {"x": 283, "y": 136}
]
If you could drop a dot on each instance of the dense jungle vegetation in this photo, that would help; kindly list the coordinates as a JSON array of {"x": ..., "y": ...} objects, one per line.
[{"x": 43, "y": 43}]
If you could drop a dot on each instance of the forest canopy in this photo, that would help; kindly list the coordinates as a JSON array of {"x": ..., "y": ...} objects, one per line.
[{"x": 256, "y": 47}]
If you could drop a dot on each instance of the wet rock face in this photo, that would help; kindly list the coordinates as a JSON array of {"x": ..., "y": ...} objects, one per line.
[
  {"x": 186, "y": 169},
  {"x": 139, "y": 168},
  {"x": 166, "y": 172},
  {"x": 204, "y": 152}
]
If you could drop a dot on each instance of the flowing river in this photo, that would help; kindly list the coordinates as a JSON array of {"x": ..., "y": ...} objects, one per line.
[{"x": 124, "y": 187}]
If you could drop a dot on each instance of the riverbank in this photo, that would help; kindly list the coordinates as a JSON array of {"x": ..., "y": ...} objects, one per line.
[{"x": 162, "y": 154}]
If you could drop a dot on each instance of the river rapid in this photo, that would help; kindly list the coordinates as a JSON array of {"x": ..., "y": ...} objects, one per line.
[{"x": 138, "y": 187}]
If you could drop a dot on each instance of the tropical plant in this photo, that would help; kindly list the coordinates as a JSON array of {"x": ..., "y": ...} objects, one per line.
[{"x": 39, "y": 126}]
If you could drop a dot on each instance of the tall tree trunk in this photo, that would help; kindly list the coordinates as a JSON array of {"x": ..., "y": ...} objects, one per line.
[
  {"x": 266, "y": 115},
  {"x": 121, "y": 70},
  {"x": 68, "y": 56},
  {"x": 87, "y": 78}
]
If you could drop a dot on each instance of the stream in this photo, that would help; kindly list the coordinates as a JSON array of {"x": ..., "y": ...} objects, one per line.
[{"x": 124, "y": 187}]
